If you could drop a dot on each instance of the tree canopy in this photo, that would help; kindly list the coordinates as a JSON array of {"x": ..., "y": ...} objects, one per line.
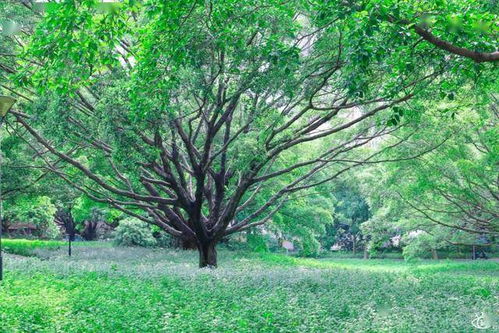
[{"x": 208, "y": 118}]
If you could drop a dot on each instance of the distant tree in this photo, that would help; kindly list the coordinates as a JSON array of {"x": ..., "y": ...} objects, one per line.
[
  {"x": 350, "y": 211},
  {"x": 94, "y": 220},
  {"x": 304, "y": 218},
  {"x": 448, "y": 197}
]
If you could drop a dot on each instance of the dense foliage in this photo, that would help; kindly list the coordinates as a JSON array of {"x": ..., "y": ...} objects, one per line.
[
  {"x": 134, "y": 232},
  {"x": 268, "y": 130}
]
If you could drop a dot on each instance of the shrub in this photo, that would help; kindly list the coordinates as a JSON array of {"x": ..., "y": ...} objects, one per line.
[
  {"x": 163, "y": 239},
  {"x": 133, "y": 232},
  {"x": 257, "y": 243}
]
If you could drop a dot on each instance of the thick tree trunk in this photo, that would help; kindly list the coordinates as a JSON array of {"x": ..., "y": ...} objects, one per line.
[
  {"x": 366, "y": 253},
  {"x": 184, "y": 244},
  {"x": 207, "y": 255},
  {"x": 434, "y": 254},
  {"x": 188, "y": 244},
  {"x": 90, "y": 231}
]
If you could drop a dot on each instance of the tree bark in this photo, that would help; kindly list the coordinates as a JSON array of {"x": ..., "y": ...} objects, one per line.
[
  {"x": 90, "y": 231},
  {"x": 184, "y": 244},
  {"x": 434, "y": 254},
  {"x": 188, "y": 244},
  {"x": 444, "y": 45},
  {"x": 207, "y": 255}
]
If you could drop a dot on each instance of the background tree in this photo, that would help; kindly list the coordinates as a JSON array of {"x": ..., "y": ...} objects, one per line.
[
  {"x": 350, "y": 211},
  {"x": 447, "y": 197},
  {"x": 36, "y": 210}
]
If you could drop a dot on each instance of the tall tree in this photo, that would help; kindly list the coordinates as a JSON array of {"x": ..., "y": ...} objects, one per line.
[{"x": 179, "y": 113}]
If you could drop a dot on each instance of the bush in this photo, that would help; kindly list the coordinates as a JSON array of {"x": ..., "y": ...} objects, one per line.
[
  {"x": 133, "y": 232},
  {"x": 163, "y": 239},
  {"x": 257, "y": 243}
]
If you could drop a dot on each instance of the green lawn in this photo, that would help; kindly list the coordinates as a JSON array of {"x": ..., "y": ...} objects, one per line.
[
  {"x": 105, "y": 289},
  {"x": 26, "y": 247}
]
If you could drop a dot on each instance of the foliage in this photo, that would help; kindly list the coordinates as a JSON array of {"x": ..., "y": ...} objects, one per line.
[
  {"x": 118, "y": 289},
  {"x": 134, "y": 232},
  {"x": 38, "y": 211},
  {"x": 257, "y": 242},
  {"x": 350, "y": 211},
  {"x": 84, "y": 209},
  {"x": 302, "y": 219},
  {"x": 419, "y": 245},
  {"x": 162, "y": 238},
  {"x": 447, "y": 196}
]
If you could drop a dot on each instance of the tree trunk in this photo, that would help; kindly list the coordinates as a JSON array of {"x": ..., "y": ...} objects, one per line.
[
  {"x": 366, "y": 253},
  {"x": 188, "y": 244},
  {"x": 207, "y": 255},
  {"x": 434, "y": 254},
  {"x": 90, "y": 231},
  {"x": 354, "y": 244},
  {"x": 184, "y": 244}
]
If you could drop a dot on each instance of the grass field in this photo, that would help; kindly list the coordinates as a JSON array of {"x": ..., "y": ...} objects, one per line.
[
  {"x": 105, "y": 289},
  {"x": 26, "y": 247}
]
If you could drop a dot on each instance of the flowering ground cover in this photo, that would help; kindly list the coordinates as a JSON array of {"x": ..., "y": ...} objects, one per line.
[{"x": 107, "y": 289}]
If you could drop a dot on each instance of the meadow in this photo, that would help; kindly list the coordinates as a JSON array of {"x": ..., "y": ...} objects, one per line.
[
  {"x": 112, "y": 289},
  {"x": 28, "y": 247}
]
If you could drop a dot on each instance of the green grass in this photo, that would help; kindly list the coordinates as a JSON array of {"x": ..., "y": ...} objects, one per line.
[
  {"x": 449, "y": 254},
  {"x": 25, "y": 247},
  {"x": 151, "y": 290}
]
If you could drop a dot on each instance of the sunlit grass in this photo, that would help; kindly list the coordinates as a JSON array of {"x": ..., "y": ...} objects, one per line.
[
  {"x": 27, "y": 247},
  {"x": 155, "y": 290}
]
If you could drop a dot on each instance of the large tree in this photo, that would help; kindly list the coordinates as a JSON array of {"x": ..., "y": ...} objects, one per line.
[{"x": 181, "y": 112}]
